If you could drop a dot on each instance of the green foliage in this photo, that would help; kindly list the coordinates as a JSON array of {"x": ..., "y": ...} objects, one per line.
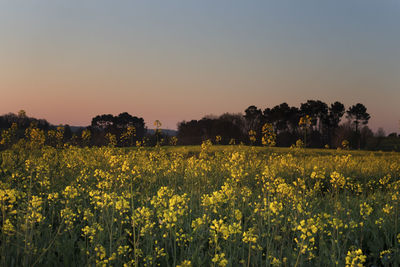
[
  {"x": 9, "y": 136},
  {"x": 200, "y": 206}
]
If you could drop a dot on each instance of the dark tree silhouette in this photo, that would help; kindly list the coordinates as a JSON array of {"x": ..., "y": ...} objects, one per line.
[
  {"x": 126, "y": 129},
  {"x": 123, "y": 120},
  {"x": 282, "y": 117},
  {"x": 22, "y": 120},
  {"x": 67, "y": 132},
  {"x": 317, "y": 110},
  {"x": 336, "y": 112},
  {"x": 285, "y": 120},
  {"x": 103, "y": 122},
  {"x": 254, "y": 121},
  {"x": 253, "y": 117},
  {"x": 228, "y": 126},
  {"x": 116, "y": 125},
  {"x": 357, "y": 114}
]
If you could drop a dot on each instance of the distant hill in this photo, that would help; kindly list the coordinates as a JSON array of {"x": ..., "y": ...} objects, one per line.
[{"x": 164, "y": 131}]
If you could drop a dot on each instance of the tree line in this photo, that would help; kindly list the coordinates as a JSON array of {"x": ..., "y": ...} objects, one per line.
[
  {"x": 324, "y": 129},
  {"x": 314, "y": 123},
  {"x": 123, "y": 130}
]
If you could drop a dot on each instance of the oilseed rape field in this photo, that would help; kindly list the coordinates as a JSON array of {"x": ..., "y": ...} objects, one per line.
[{"x": 198, "y": 206}]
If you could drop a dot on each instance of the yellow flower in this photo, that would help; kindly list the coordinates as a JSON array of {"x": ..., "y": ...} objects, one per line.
[
  {"x": 249, "y": 236},
  {"x": 355, "y": 258},
  {"x": 387, "y": 209},
  {"x": 365, "y": 210},
  {"x": 337, "y": 180},
  {"x": 386, "y": 255},
  {"x": 185, "y": 263},
  {"x": 220, "y": 260}
]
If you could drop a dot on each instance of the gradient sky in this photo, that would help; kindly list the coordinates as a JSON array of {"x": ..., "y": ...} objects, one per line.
[{"x": 67, "y": 61}]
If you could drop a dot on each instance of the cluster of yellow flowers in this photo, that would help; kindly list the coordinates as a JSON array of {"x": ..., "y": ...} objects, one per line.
[
  {"x": 305, "y": 121},
  {"x": 355, "y": 258},
  {"x": 252, "y": 136},
  {"x": 207, "y": 205},
  {"x": 268, "y": 135}
]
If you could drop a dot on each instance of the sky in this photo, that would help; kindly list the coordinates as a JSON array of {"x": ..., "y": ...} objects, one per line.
[{"x": 68, "y": 61}]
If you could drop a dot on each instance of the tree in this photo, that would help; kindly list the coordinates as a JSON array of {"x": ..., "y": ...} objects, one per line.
[
  {"x": 128, "y": 137},
  {"x": 103, "y": 122},
  {"x": 282, "y": 117},
  {"x": 22, "y": 114},
  {"x": 285, "y": 121},
  {"x": 227, "y": 126},
  {"x": 22, "y": 120},
  {"x": 86, "y": 137},
  {"x": 125, "y": 120},
  {"x": 278, "y": 116},
  {"x": 253, "y": 117},
  {"x": 380, "y": 133},
  {"x": 232, "y": 126},
  {"x": 336, "y": 112},
  {"x": 67, "y": 133},
  {"x": 9, "y": 136},
  {"x": 317, "y": 110},
  {"x": 157, "y": 133},
  {"x": 116, "y": 125},
  {"x": 357, "y": 114},
  {"x": 254, "y": 121}
]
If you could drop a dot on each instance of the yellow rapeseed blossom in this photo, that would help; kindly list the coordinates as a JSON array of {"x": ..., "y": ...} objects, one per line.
[
  {"x": 220, "y": 260},
  {"x": 355, "y": 258},
  {"x": 215, "y": 205},
  {"x": 365, "y": 210},
  {"x": 387, "y": 209},
  {"x": 268, "y": 135},
  {"x": 338, "y": 181},
  {"x": 185, "y": 263},
  {"x": 250, "y": 237},
  {"x": 386, "y": 255}
]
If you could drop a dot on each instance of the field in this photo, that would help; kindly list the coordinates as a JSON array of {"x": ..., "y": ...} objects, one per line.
[{"x": 199, "y": 206}]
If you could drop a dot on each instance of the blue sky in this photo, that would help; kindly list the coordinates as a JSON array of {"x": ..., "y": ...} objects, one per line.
[{"x": 68, "y": 61}]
